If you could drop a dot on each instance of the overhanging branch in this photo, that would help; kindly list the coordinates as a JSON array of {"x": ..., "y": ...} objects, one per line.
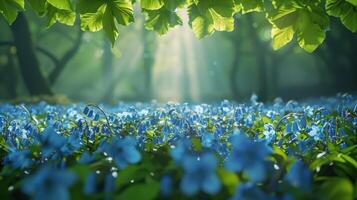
[
  {"x": 39, "y": 49},
  {"x": 66, "y": 58}
]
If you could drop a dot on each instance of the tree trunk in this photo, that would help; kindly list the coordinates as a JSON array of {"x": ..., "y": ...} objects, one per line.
[
  {"x": 11, "y": 76},
  {"x": 235, "y": 38},
  {"x": 148, "y": 62},
  {"x": 108, "y": 71},
  {"x": 260, "y": 50},
  {"x": 107, "y": 59},
  {"x": 28, "y": 62}
]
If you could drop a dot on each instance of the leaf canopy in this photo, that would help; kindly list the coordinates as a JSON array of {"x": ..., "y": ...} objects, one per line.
[{"x": 305, "y": 20}]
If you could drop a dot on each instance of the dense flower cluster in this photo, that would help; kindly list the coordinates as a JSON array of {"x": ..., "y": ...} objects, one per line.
[{"x": 289, "y": 150}]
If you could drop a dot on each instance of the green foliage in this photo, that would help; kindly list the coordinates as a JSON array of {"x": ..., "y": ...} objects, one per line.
[
  {"x": 9, "y": 9},
  {"x": 63, "y": 16},
  {"x": 306, "y": 20},
  {"x": 161, "y": 20},
  {"x": 250, "y": 5},
  {"x": 99, "y": 15},
  {"x": 209, "y": 16},
  {"x": 142, "y": 191},
  {"x": 337, "y": 188},
  {"x": 346, "y": 10}
]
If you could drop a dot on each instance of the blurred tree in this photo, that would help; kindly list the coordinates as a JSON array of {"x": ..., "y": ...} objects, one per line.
[
  {"x": 29, "y": 64},
  {"x": 149, "y": 49},
  {"x": 235, "y": 37},
  {"x": 8, "y": 74},
  {"x": 338, "y": 54}
]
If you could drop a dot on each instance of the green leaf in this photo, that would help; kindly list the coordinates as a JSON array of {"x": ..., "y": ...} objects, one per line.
[
  {"x": 39, "y": 6},
  {"x": 346, "y": 10},
  {"x": 200, "y": 24},
  {"x": 89, "y": 6},
  {"x": 309, "y": 22},
  {"x": 353, "y": 2},
  {"x": 174, "y": 4},
  {"x": 10, "y": 8},
  {"x": 350, "y": 160},
  {"x": 99, "y": 15},
  {"x": 309, "y": 34},
  {"x": 19, "y": 4},
  {"x": 337, "y": 188},
  {"x": 109, "y": 25},
  {"x": 205, "y": 17},
  {"x": 336, "y": 8},
  {"x": 93, "y": 21},
  {"x": 222, "y": 23},
  {"x": 325, "y": 160},
  {"x": 250, "y": 5},
  {"x": 132, "y": 172},
  {"x": 122, "y": 10},
  {"x": 151, "y": 4},
  {"x": 283, "y": 17},
  {"x": 224, "y": 8},
  {"x": 280, "y": 152},
  {"x": 141, "y": 191},
  {"x": 82, "y": 171},
  {"x": 350, "y": 19},
  {"x": 62, "y": 16},
  {"x": 61, "y": 4},
  {"x": 229, "y": 179},
  {"x": 196, "y": 143},
  {"x": 161, "y": 20}
]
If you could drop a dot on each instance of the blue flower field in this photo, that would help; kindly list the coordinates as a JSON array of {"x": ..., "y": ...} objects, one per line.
[{"x": 281, "y": 151}]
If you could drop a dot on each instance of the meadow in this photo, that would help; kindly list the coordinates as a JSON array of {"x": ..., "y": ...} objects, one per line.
[{"x": 282, "y": 150}]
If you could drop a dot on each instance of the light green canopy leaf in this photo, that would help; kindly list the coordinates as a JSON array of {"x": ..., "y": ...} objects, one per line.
[
  {"x": 250, "y": 5},
  {"x": 346, "y": 10},
  {"x": 100, "y": 15},
  {"x": 306, "y": 20},
  {"x": 151, "y": 4},
  {"x": 54, "y": 15},
  {"x": 309, "y": 24},
  {"x": 39, "y": 6},
  {"x": 205, "y": 17},
  {"x": 61, "y": 4},
  {"x": 161, "y": 20},
  {"x": 10, "y": 8}
]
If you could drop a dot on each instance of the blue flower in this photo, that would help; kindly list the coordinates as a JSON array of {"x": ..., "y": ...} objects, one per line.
[
  {"x": 248, "y": 156},
  {"x": 207, "y": 139},
  {"x": 269, "y": 132},
  {"x": 123, "y": 151},
  {"x": 292, "y": 127},
  {"x": 166, "y": 185},
  {"x": 109, "y": 185},
  {"x": 86, "y": 158},
  {"x": 299, "y": 176},
  {"x": 249, "y": 191},
  {"x": 303, "y": 123},
  {"x": 19, "y": 159},
  {"x": 51, "y": 141},
  {"x": 90, "y": 185},
  {"x": 200, "y": 174},
  {"x": 86, "y": 110},
  {"x": 315, "y": 132},
  {"x": 49, "y": 183},
  {"x": 96, "y": 117},
  {"x": 183, "y": 147}
]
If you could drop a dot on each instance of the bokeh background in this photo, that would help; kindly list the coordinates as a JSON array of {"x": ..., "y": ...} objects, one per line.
[{"x": 178, "y": 67}]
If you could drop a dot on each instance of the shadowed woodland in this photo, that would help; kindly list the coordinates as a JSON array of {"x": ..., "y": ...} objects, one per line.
[{"x": 84, "y": 66}]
